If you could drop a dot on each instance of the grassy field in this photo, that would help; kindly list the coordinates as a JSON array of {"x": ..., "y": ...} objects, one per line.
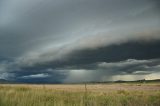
[{"x": 77, "y": 95}]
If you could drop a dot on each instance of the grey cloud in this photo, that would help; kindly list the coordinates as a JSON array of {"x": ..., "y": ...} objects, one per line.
[
  {"x": 66, "y": 20},
  {"x": 131, "y": 66},
  {"x": 146, "y": 40},
  {"x": 100, "y": 71},
  {"x": 110, "y": 71},
  {"x": 7, "y": 76},
  {"x": 36, "y": 76},
  {"x": 76, "y": 35},
  {"x": 86, "y": 60}
]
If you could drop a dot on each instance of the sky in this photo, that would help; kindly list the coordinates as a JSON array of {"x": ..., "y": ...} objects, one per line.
[{"x": 72, "y": 41}]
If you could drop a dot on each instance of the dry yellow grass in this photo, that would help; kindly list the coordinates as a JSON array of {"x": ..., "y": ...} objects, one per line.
[{"x": 76, "y": 95}]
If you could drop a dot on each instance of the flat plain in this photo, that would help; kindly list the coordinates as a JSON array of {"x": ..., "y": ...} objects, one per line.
[{"x": 118, "y": 94}]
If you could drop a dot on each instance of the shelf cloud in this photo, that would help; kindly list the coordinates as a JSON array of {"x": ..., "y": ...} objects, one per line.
[{"x": 57, "y": 41}]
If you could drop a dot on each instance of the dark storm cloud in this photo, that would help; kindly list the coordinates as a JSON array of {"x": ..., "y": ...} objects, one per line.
[
  {"x": 101, "y": 62},
  {"x": 113, "y": 53},
  {"x": 41, "y": 76},
  {"x": 130, "y": 69},
  {"x": 117, "y": 52},
  {"x": 56, "y": 40},
  {"x": 37, "y": 23}
]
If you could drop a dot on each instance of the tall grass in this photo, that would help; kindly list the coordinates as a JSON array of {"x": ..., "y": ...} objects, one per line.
[{"x": 27, "y": 96}]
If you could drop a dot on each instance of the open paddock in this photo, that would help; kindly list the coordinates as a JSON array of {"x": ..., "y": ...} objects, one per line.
[{"x": 118, "y": 94}]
